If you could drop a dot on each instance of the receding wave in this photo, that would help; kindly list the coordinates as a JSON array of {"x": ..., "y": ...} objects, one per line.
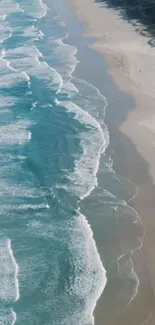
[{"x": 93, "y": 142}]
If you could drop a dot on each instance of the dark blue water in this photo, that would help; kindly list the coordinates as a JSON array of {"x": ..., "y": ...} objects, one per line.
[{"x": 52, "y": 135}]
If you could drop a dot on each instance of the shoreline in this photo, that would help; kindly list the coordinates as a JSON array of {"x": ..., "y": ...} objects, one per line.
[
  {"x": 128, "y": 72},
  {"x": 131, "y": 144}
]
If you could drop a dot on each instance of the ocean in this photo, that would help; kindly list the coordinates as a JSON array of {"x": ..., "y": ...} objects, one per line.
[{"x": 52, "y": 138}]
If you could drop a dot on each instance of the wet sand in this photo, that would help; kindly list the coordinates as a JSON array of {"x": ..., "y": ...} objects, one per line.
[{"x": 130, "y": 61}]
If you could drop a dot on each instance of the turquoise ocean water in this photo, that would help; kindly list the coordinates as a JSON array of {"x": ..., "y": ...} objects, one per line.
[{"x": 52, "y": 135}]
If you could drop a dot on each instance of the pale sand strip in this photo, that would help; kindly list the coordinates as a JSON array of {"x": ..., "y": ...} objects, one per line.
[{"x": 131, "y": 62}]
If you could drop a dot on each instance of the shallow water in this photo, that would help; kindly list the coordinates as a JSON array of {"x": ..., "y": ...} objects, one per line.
[{"x": 52, "y": 137}]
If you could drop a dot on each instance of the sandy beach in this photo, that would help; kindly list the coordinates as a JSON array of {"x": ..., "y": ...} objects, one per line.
[{"x": 130, "y": 61}]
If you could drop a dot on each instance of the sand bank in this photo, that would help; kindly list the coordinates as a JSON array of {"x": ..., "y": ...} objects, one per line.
[{"x": 131, "y": 63}]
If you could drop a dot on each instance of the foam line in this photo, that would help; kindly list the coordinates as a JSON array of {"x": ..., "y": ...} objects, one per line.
[{"x": 16, "y": 270}]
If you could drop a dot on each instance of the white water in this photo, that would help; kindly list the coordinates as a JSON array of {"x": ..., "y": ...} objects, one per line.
[
  {"x": 8, "y": 273},
  {"x": 93, "y": 142}
]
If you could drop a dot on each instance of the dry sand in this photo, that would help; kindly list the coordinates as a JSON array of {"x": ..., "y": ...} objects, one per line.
[{"x": 131, "y": 63}]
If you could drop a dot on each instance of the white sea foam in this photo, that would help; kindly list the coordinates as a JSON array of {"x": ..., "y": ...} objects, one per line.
[
  {"x": 23, "y": 58},
  {"x": 6, "y": 63},
  {"x": 36, "y": 8},
  {"x": 7, "y": 101},
  {"x": 29, "y": 61},
  {"x": 8, "y": 273},
  {"x": 9, "y": 208},
  {"x": 44, "y": 72},
  {"x": 89, "y": 278},
  {"x": 125, "y": 264},
  {"x": 15, "y": 133},
  {"x": 126, "y": 273},
  {"x": 38, "y": 229},
  {"x": 32, "y": 31},
  {"x": 9, "y": 292},
  {"x": 82, "y": 181},
  {"x": 91, "y": 94},
  {"x": 34, "y": 105},
  {"x": 5, "y": 33},
  {"x": 9, "y": 76},
  {"x": 97, "y": 110},
  {"x": 26, "y": 51},
  {"x": 17, "y": 190},
  {"x": 3, "y": 17},
  {"x": 20, "y": 9},
  {"x": 93, "y": 142},
  {"x": 79, "y": 114},
  {"x": 93, "y": 100},
  {"x": 3, "y": 52},
  {"x": 7, "y": 316},
  {"x": 8, "y": 7},
  {"x": 15, "y": 269},
  {"x": 134, "y": 278},
  {"x": 29, "y": 135},
  {"x": 34, "y": 207},
  {"x": 14, "y": 317},
  {"x": 67, "y": 61}
]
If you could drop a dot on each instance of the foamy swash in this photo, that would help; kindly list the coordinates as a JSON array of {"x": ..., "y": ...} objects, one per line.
[{"x": 8, "y": 281}]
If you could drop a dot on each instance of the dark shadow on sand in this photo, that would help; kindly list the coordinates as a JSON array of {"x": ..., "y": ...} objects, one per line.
[{"x": 137, "y": 12}]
